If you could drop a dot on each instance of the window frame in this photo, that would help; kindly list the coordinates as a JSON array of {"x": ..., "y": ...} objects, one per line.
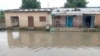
[{"x": 42, "y": 18}]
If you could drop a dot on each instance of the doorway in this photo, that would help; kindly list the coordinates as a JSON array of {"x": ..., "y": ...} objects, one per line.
[
  {"x": 69, "y": 21},
  {"x": 88, "y": 21},
  {"x": 15, "y": 21},
  {"x": 30, "y": 21}
]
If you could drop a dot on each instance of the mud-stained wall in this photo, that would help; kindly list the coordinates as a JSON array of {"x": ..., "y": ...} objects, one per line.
[
  {"x": 60, "y": 20},
  {"x": 77, "y": 21}
]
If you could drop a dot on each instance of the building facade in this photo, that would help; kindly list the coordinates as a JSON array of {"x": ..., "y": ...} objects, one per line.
[
  {"x": 28, "y": 18},
  {"x": 57, "y": 17},
  {"x": 76, "y": 17}
]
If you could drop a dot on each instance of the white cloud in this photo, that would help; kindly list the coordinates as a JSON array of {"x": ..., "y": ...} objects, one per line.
[
  {"x": 52, "y": 3},
  {"x": 14, "y": 4},
  {"x": 93, "y": 3},
  {"x": 10, "y": 4}
]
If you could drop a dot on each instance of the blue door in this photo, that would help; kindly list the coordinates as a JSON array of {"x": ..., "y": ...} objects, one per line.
[{"x": 69, "y": 21}]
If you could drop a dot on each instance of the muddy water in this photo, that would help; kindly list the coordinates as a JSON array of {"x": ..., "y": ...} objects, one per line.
[{"x": 31, "y": 43}]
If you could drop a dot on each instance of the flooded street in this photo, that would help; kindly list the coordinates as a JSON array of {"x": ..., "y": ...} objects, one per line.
[{"x": 31, "y": 43}]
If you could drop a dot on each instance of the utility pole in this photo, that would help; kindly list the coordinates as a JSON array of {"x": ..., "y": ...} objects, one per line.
[{"x": 48, "y": 5}]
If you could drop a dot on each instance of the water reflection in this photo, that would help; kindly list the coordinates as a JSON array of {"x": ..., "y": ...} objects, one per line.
[
  {"x": 37, "y": 39},
  {"x": 31, "y": 43}
]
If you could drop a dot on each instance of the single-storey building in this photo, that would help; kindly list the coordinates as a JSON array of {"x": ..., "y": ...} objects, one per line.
[
  {"x": 55, "y": 17},
  {"x": 76, "y": 17},
  {"x": 28, "y": 18}
]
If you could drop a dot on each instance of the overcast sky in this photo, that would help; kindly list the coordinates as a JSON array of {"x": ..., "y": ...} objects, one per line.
[{"x": 15, "y": 4}]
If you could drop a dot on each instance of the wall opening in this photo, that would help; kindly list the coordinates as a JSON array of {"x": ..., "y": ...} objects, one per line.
[
  {"x": 42, "y": 18},
  {"x": 88, "y": 21},
  {"x": 15, "y": 21}
]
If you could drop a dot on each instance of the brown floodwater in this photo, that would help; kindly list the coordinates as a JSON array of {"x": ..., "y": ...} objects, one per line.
[{"x": 39, "y": 43}]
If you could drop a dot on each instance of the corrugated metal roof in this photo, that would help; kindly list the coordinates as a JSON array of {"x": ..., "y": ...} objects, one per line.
[
  {"x": 60, "y": 10},
  {"x": 27, "y": 10},
  {"x": 77, "y": 11}
]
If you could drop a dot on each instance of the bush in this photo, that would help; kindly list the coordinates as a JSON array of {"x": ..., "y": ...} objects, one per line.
[{"x": 2, "y": 16}]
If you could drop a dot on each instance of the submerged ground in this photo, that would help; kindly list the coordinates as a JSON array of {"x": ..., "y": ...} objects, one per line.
[{"x": 36, "y": 43}]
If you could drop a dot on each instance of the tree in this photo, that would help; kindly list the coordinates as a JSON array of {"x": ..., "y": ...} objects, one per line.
[
  {"x": 30, "y": 4},
  {"x": 2, "y": 17},
  {"x": 2, "y": 14},
  {"x": 75, "y": 3}
]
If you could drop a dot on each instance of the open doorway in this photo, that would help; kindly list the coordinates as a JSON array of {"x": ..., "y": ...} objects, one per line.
[
  {"x": 15, "y": 21},
  {"x": 88, "y": 21}
]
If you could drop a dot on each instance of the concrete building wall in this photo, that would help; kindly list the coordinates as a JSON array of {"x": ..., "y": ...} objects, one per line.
[
  {"x": 77, "y": 21},
  {"x": 97, "y": 20},
  {"x": 61, "y": 20},
  {"x": 23, "y": 18}
]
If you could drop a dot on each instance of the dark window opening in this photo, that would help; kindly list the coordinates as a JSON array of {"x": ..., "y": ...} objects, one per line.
[
  {"x": 42, "y": 18},
  {"x": 15, "y": 21}
]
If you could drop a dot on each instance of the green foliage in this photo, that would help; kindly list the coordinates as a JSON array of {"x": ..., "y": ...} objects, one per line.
[
  {"x": 30, "y": 4},
  {"x": 75, "y": 3},
  {"x": 2, "y": 15}
]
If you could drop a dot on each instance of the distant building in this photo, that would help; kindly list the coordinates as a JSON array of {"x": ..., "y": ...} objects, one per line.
[
  {"x": 28, "y": 18},
  {"x": 76, "y": 17}
]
